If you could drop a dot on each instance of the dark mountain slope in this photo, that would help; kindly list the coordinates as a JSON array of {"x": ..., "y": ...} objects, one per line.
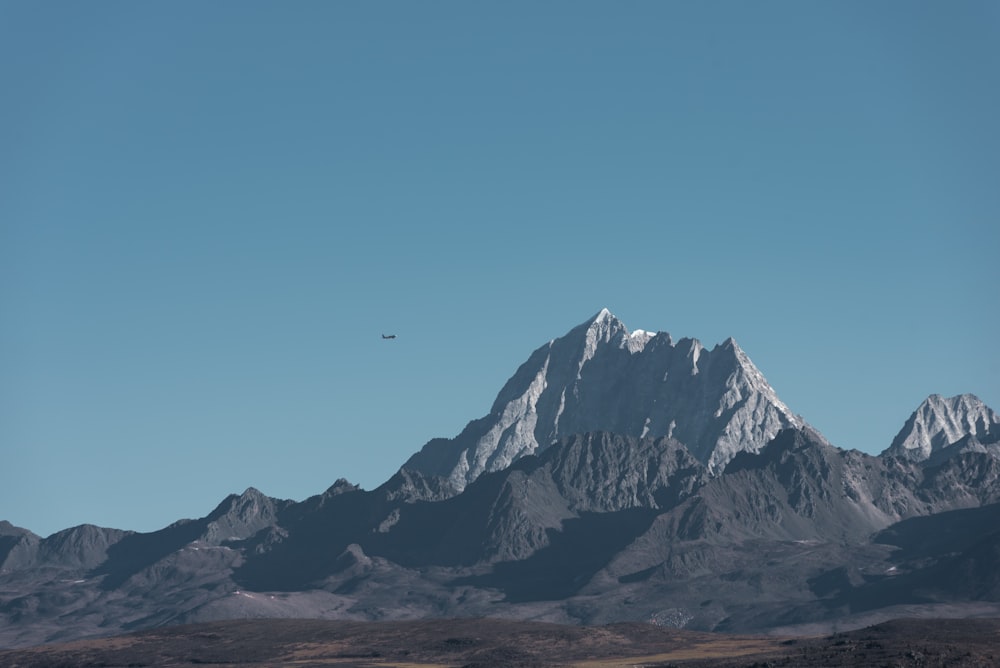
[
  {"x": 786, "y": 536},
  {"x": 503, "y": 516},
  {"x": 602, "y": 472},
  {"x": 596, "y": 528},
  {"x": 18, "y": 547}
]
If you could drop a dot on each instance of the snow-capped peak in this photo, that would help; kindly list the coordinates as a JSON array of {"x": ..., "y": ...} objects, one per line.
[
  {"x": 638, "y": 339},
  {"x": 939, "y": 421},
  {"x": 604, "y": 314},
  {"x": 601, "y": 377}
]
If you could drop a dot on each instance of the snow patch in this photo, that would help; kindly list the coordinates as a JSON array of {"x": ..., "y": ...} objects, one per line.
[
  {"x": 638, "y": 339},
  {"x": 696, "y": 350},
  {"x": 559, "y": 412}
]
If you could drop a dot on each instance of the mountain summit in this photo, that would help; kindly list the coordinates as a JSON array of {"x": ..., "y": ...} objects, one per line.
[
  {"x": 941, "y": 425},
  {"x": 602, "y": 377}
]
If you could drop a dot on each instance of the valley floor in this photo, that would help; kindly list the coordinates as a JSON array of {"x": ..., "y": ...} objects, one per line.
[{"x": 482, "y": 643}]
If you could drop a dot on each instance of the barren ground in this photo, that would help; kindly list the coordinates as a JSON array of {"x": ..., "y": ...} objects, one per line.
[{"x": 491, "y": 642}]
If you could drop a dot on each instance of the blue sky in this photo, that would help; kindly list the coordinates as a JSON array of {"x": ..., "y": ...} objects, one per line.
[{"x": 210, "y": 211}]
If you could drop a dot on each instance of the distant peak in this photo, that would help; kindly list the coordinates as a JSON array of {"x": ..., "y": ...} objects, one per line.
[
  {"x": 8, "y": 529},
  {"x": 960, "y": 404},
  {"x": 606, "y": 321},
  {"x": 954, "y": 402},
  {"x": 342, "y": 486},
  {"x": 940, "y": 422},
  {"x": 690, "y": 346}
]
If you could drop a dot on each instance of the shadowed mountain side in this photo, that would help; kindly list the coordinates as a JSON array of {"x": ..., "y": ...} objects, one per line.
[
  {"x": 781, "y": 537},
  {"x": 305, "y": 547},
  {"x": 81, "y": 547},
  {"x": 503, "y": 516},
  {"x": 965, "y": 480},
  {"x": 944, "y": 533},
  {"x": 573, "y": 555},
  {"x": 972, "y": 574},
  {"x": 237, "y": 517},
  {"x": 802, "y": 488},
  {"x": 953, "y": 556},
  {"x": 18, "y": 547},
  {"x": 602, "y": 472},
  {"x": 799, "y": 489},
  {"x": 975, "y": 573},
  {"x": 85, "y": 546},
  {"x": 312, "y": 546},
  {"x": 118, "y": 555}
]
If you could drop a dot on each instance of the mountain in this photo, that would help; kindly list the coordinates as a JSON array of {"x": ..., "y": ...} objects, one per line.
[
  {"x": 619, "y": 477},
  {"x": 18, "y": 547},
  {"x": 602, "y": 378},
  {"x": 941, "y": 427}
]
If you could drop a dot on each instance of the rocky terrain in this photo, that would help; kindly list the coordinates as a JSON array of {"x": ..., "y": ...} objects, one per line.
[{"x": 621, "y": 477}]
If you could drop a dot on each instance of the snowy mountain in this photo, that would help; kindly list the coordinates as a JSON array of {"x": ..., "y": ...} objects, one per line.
[
  {"x": 601, "y": 377},
  {"x": 620, "y": 476},
  {"x": 943, "y": 426}
]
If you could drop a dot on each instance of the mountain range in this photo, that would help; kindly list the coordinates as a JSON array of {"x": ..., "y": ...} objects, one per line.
[{"x": 619, "y": 476}]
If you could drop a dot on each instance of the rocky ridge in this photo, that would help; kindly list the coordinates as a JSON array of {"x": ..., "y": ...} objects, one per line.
[{"x": 602, "y": 378}]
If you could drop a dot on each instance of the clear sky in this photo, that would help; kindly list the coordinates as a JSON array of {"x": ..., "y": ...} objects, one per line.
[{"x": 210, "y": 211}]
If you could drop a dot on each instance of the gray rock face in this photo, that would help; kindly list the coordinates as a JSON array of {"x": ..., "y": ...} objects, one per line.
[
  {"x": 84, "y": 546},
  {"x": 606, "y": 473},
  {"x": 81, "y": 547},
  {"x": 18, "y": 547},
  {"x": 940, "y": 423},
  {"x": 601, "y": 377},
  {"x": 241, "y": 516}
]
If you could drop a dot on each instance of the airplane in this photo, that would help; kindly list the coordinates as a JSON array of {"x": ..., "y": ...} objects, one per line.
[{"x": 388, "y": 336}]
